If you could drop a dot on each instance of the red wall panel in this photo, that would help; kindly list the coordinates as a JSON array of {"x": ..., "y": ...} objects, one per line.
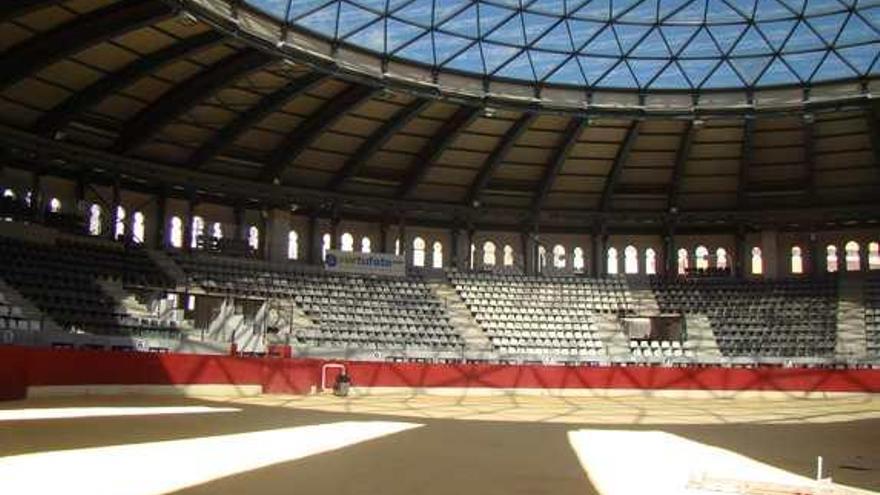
[
  {"x": 13, "y": 378},
  {"x": 21, "y": 367}
]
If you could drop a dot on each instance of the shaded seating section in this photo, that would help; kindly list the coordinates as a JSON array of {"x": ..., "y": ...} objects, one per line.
[
  {"x": 347, "y": 311},
  {"x": 61, "y": 280},
  {"x": 553, "y": 316},
  {"x": 763, "y": 318},
  {"x": 109, "y": 260},
  {"x": 872, "y": 315}
]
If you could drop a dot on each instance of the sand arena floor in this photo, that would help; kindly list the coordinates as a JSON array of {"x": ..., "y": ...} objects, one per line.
[{"x": 418, "y": 444}]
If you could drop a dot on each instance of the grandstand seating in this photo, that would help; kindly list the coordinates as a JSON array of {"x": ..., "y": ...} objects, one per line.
[
  {"x": 541, "y": 315},
  {"x": 61, "y": 280},
  {"x": 12, "y": 317},
  {"x": 872, "y": 314},
  {"x": 788, "y": 318},
  {"x": 347, "y": 310}
]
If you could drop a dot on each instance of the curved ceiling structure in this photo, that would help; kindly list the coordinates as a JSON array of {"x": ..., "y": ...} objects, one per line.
[
  {"x": 185, "y": 102},
  {"x": 612, "y": 44}
]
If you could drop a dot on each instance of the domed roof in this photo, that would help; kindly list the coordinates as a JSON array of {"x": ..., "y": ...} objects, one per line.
[{"x": 641, "y": 45}]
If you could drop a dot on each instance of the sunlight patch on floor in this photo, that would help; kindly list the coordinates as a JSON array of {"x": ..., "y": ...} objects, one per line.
[
  {"x": 622, "y": 462},
  {"x": 163, "y": 467},
  {"x": 102, "y": 412}
]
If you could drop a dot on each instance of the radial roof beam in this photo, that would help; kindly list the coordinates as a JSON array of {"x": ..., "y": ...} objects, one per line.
[
  {"x": 60, "y": 116},
  {"x": 18, "y": 8},
  {"x": 376, "y": 141},
  {"x": 569, "y": 138},
  {"x": 188, "y": 95},
  {"x": 810, "y": 158},
  {"x": 68, "y": 39},
  {"x": 253, "y": 116},
  {"x": 305, "y": 134},
  {"x": 498, "y": 155},
  {"x": 619, "y": 163},
  {"x": 432, "y": 150},
  {"x": 746, "y": 156},
  {"x": 681, "y": 158}
]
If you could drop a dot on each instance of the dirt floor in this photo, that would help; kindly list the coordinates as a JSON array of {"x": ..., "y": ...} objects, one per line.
[{"x": 480, "y": 445}]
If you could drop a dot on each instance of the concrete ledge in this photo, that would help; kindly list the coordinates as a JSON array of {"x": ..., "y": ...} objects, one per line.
[
  {"x": 610, "y": 392},
  {"x": 173, "y": 390}
]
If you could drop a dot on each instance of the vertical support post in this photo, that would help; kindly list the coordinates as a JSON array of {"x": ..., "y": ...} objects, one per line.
[
  {"x": 36, "y": 195},
  {"x": 313, "y": 248},
  {"x": 454, "y": 249},
  {"x": 160, "y": 239},
  {"x": 114, "y": 211},
  {"x": 240, "y": 229},
  {"x": 740, "y": 254},
  {"x": 401, "y": 239},
  {"x": 188, "y": 221},
  {"x": 334, "y": 231},
  {"x": 383, "y": 236},
  {"x": 670, "y": 251}
]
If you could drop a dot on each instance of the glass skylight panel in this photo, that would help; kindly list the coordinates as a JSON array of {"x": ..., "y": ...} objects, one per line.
[{"x": 617, "y": 44}]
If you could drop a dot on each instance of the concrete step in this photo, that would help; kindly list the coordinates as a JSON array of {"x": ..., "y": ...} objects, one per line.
[
  {"x": 461, "y": 318},
  {"x": 700, "y": 337},
  {"x": 851, "y": 342},
  {"x": 643, "y": 302},
  {"x": 610, "y": 332}
]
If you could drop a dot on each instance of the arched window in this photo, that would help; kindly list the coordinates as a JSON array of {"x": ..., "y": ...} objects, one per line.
[
  {"x": 137, "y": 227},
  {"x": 198, "y": 230},
  {"x": 325, "y": 246},
  {"x": 612, "y": 261},
  {"x": 831, "y": 258},
  {"x": 488, "y": 253},
  {"x": 650, "y": 261},
  {"x": 94, "y": 218},
  {"x": 682, "y": 261},
  {"x": 292, "y": 245},
  {"x": 55, "y": 205},
  {"x": 874, "y": 256},
  {"x": 366, "y": 245},
  {"x": 797, "y": 260},
  {"x": 853, "y": 257},
  {"x": 397, "y": 247},
  {"x": 701, "y": 255},
  {"x": 757, "y": 261},
  {"x": 418, "y": 252},
  {"x": 437, "y": 256},
  {"x": 721, "y": 260},
  {"x": 577, "y": 260},
  {"x": 254, "y": 237},
  {"x": 559, "y": 256},
  {"x": 508, "y": 255},
  {"x": 347, "y": 242},
  {"x": 176, "y": 235},
  {"x": 9, "y": 193},
  {"x": 217, "y": 230},
  {"x": 542, "y": 258},
  {"x": 119, "y": 228},
  {"x": 630, "y": 260},
  {"x": 473, "y": 257}
]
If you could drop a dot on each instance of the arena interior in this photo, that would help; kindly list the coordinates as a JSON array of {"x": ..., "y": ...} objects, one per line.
[{"x": 439, "y": 246}]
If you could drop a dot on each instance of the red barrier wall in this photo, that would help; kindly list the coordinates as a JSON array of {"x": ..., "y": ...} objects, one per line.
[
  {"x": 13, "y": 381},
  {"x": 21, "y": 367}
]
